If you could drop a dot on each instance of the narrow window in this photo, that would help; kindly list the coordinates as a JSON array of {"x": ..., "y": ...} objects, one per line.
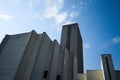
[
  {"x": 107, "y": 63},
  {"x": 45, "y": 74},
  {"x": 58, "y": 77}
]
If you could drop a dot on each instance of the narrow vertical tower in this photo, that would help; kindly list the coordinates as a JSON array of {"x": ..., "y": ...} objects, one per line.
[
  {"x": 107, "y": 67},
  {"x": 71, "y": 39}
]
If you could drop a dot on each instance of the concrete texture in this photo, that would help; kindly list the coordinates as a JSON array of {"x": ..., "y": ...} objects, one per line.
[
  {"x": 25, "y": 67},
  {"x": 81, "y": 76},
  {"x": 72, "y": 40},
  {"x": 12, "y": 54},
  {"x": 38, "y": 70},
  {"x": 65, "y": 66},
  {"x": 117, "y": 72},
  {"x": 94, "y": 75},
  {"x": 3, "y": 43},
  {"x": 54, "y": 61}
]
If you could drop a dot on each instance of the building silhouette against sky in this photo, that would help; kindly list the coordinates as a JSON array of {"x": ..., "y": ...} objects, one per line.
[{"x": 32, "y": 56}]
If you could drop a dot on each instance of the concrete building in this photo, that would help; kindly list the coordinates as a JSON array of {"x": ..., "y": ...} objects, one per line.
[
  {"x": 72, "y": 40},
  {"x": 32, "y": 56}
]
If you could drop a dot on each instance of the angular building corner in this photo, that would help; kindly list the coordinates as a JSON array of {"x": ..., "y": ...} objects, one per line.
[{"x": 33, "y": 56}]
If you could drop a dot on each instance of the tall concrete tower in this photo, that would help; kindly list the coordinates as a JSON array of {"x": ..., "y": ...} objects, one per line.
[{"x": 71, "y": 39}]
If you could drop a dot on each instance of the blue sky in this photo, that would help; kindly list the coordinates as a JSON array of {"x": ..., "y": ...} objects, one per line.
[{"x": 99, "y": 23}]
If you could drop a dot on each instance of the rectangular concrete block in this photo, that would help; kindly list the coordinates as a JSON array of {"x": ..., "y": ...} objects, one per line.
[
  {"x": 94, "y": 75},
  {"x": 81, "y": 76},
  {"x": 117, "y": 72},
  {"x": 72, "y": 40}
]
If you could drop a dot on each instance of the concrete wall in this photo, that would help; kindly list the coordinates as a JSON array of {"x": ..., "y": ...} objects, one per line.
[
  {"x": 65, "y": 75},
  {"x": 54, "y": 61},
  {"x": 72, "y": 40},
  {"x": 41, "y": 59},
  {"x": 25, "y": 67},
  {"x": 94, "y": 75},
  {"x": 3, "y": 43},
  {"x": 81, "y": 76},
  {"x": 117, "y": 72},
  {"x": 60, "y": 63},
  {"x": 12, "y": 54},
  {"x": 75, "y": 68}
]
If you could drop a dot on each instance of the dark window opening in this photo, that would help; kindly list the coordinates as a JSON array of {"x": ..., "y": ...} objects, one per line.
[
  {"x": 58, "y": 77},
  {"x": 45, "y": 74},
  {"x": 68, "y": 38},
  {"x": 108, "y": 67}
]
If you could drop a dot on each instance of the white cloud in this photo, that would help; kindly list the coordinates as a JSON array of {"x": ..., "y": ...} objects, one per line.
[
  {"x": 68, "y": 22},
  {"x": 61, "y": 17},
  {"x": 112, "y": 42},
  {"x": 87, "y": 46},
  {"x": 73, "y": 14},
  {"x": 116, "y": 40},
  {"x": 52, "y": 11},
  {"x": 5, "y": 17}
]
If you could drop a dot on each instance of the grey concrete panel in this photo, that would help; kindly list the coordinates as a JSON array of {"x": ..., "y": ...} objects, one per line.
[
  {"x": 49, "y": 56},
  {"x": 31, "y": 62},
  {"x": 38, "y": 70},
  {"x": 73, "y": 40},
  {"x": 28, "y": 59},
  {"x": 70, "y": 66},
  {"x": 3, "y": 43},
  {"x": 60, "y": 62},
  {"x": 81, "y": 76},
  {"x": 117, "y": 72},
  {"x": 94, "y": 75},
  {"x": 54, "y": 62},
  {"x": 75, "y": 68},
  {"x": 63, "y": 37},
  {"x": 65, "y": 66},
  {"x": 12, "y": 54}
]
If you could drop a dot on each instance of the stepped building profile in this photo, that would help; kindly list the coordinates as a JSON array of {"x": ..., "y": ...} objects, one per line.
[{"x": 32, "y": 56}]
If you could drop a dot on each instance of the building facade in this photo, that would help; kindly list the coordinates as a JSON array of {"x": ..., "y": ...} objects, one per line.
[{"x": 32, "y": 56}]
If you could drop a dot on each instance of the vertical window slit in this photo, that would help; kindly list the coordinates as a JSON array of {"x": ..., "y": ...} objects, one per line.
[
  {"x": 58, "y": 77},
  {"x": 45, "y": 74},
  {"x": 68, "y": 38},
  {"x": 108, "y": 67}
]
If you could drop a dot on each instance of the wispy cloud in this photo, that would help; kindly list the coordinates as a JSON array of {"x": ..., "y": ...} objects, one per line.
[
  {"x": 86, "y": 45},
  {"x": 112, "y": 41},
  {"x": 52, "y": 11},
  {"x": 56, "y": 12},
  {"x": 116, "y": 40},
  {"x": 5, "y": 17},
  {"x": 73, "y": 14}
]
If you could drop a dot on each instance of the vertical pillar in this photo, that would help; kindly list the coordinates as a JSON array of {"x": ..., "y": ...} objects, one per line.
[{"x": 107, "y": 67}]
